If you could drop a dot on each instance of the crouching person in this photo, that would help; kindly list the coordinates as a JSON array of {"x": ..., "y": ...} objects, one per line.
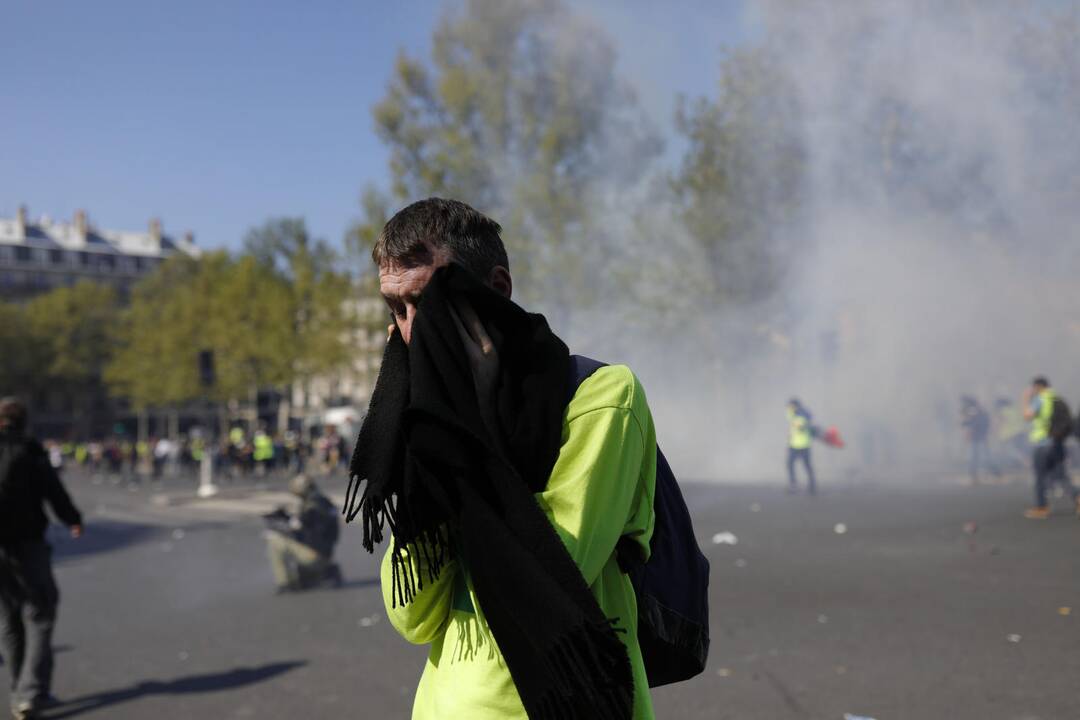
[{"x": 301, "y": 545}]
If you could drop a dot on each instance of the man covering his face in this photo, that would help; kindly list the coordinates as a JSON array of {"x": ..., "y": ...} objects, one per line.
[{"x": 505, "y": 489}]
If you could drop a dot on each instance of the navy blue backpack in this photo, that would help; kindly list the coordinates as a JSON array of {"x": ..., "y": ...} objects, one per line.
[{"x": 672, "y": 588}]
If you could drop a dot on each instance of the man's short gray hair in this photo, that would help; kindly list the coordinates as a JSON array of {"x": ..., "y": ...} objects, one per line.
[{"x": 472, "y": 238}]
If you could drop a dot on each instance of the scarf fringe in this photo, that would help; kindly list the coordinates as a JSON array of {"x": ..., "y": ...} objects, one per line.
[
  {"x": 378, "y": 512},
  {"x": 407, "y": 578},
  {"x": 430, "y": 546},
  {"x": 592, "y": 677}
]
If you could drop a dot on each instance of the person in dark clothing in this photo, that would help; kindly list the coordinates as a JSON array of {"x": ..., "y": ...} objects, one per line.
[
  {"x": 28, "y": 592},
  {"x": 976, "y": 424},
  {"x": 301, "y": 546}
]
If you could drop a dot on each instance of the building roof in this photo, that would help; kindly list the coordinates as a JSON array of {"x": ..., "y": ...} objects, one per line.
[{"x": 80, "y": 235}]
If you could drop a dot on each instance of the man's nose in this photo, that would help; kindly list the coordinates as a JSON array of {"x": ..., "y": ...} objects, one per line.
[{"x": 406, "y": 326}]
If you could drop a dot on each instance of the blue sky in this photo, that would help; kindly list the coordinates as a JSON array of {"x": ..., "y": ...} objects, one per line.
[{"x": 215, "y": 116}]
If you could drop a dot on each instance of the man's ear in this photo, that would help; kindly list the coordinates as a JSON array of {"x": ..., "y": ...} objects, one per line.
[{"x": 500, "y": 281}]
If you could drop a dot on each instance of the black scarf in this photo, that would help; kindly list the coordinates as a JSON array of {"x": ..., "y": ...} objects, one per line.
[{"x": 440, "y": 481}]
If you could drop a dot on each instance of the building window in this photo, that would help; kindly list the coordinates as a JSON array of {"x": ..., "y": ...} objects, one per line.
[
  {"x": 56, "y": 257},
  {"x": 106, "y": 263},
  {"x": 5, "y": 254},
  {"x": 22, "y": 254},
  {"x": 84, "y": 259},
  {"x": 140, "y": 264}
]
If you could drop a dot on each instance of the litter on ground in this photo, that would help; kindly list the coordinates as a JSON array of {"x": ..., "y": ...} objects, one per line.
[{"x": 724, "y": 538}]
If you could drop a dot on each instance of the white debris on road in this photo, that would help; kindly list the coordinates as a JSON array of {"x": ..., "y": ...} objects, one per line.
[{"x": 725, "y": 538}]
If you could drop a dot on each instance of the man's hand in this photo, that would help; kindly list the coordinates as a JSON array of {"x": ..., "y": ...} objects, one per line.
[
  {"x": 479, "y": 348},
  {"x": 484, "y": 362},
  {"x": 76, "y": 531}
]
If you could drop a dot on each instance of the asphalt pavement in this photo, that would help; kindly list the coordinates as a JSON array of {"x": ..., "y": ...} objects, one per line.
[{"x": 924, "y": 600}]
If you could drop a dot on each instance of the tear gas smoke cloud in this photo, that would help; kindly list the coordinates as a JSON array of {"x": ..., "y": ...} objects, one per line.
[{"x": 936, "y": 252}]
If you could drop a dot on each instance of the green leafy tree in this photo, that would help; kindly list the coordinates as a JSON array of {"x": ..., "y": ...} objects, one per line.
[
  {"x": 249, "y": 325},
  {"x": 24, "y": 353},
  {"x": 321, "y": 300},
  {"x": 74, "y": 327},
  {"x": 521, "y": 114},
  {"x": 154, "y": 364},
  {"x": 240, "y": 309},
  {"x": 739, "y": 186},
  {"x": 362, "y": 236},
  {"x": 74, "y": 323}
]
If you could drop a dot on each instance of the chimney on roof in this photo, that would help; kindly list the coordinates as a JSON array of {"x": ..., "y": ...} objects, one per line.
[
  {"x": 20, "y": 220},
  {"x": 81, "y": 227},
  {"x": 155, "y": 231},
  {"x": 189, "y": 237}
]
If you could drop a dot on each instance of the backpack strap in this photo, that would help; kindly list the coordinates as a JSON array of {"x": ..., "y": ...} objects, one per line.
[{"x": 581, "y": 369}]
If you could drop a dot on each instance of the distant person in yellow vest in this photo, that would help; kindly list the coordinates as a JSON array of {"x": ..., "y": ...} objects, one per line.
[
  {"x": 236, "y": 449},
  {"x": 1047, "y": 438},
  {"x": 263, "y": 450},
  {"x": 800, "y": 437}
]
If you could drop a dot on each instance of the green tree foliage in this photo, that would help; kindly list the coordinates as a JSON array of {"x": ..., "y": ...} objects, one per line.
[
  {"x": 24, "y": 353},
  {"x": 361, "y": 237},
  {"x": 153, "y": 364},
  {"x": 68, "y": 334},
  {"x": 319, "y": 300},
  {"x": 521, "y": 114},
  {"x": 74, "y": 327},
  {"x": 250, "y": 323},
  {"x": 276, "y": 314},
  {"x": 237, "y": 308},
  {"x": 741, "y": 177}
]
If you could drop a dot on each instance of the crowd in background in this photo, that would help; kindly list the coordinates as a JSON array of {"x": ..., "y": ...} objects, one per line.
[{"x": 239, "y": 453}]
